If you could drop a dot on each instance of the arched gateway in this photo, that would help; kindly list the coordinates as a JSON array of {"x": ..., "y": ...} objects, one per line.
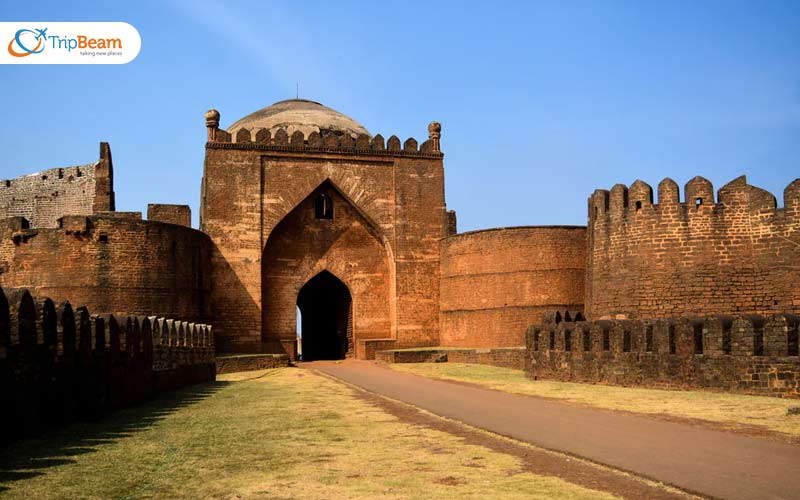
[
  {"x": 303, "y": 203},
  {"x": 326, "y": 257},
  {"x": 326, "y": 309}
]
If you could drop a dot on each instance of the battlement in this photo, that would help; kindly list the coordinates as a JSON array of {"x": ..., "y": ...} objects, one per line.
[
  {"x": 621, "y": 201},
  {"x": 733, "y": 253},
  {"x": 750, "y": 353},
  {"x": 59, "y": 360},
  {"x": 263, "y": 139}
]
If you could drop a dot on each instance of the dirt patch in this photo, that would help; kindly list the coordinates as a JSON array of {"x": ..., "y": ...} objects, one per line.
[
  {"x": 536, "y": 461},
  {"x": 450, "y": 481}
]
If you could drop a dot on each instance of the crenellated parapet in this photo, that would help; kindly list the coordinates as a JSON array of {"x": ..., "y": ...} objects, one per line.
[
  {"x": 622, "y": 202},
  {"x": 730, "y": 253},
  {"x": 752, "y": 353},
  {"x": 315, "y": 142},
  {"x": 56, "y": 359}
]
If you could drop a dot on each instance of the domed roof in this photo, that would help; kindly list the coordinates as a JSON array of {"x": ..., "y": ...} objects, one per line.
[{"x": 299, "y": 114}]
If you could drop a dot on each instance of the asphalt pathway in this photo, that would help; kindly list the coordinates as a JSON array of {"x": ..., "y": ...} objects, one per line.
[{"x": 711, "y": 463}]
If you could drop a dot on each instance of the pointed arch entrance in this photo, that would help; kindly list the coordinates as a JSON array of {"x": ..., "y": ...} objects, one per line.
[
  {"x": 326, "y": 310},
  {"x": 326, "y": 256}
]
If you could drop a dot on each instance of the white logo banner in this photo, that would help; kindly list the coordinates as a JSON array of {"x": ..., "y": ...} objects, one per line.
[{"x": 68, "y": 43}]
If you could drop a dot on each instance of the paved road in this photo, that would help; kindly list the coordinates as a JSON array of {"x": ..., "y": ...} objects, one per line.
[{"x": 712, "y": 463}]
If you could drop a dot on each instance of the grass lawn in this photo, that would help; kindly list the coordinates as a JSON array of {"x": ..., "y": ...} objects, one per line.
[
  {"x": 278, "y": 434},
  {"x": 730, "y": 410}
]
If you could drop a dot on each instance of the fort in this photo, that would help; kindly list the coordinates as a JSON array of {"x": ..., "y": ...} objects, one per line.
[{"x": 302, "y": 208}]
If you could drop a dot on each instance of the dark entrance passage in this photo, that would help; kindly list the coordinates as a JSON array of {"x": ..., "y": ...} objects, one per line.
[{"x": 326, "y": 318}]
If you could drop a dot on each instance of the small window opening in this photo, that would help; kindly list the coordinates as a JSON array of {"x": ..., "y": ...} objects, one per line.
[
  {"x": 8, "y": 184},
  {"x": 792, "y": 340},
  {"x": 698, "y": 202},
  {"x": 726, "y": 338},
  {"x": 626, "y": 341},
  {"x": 638, "y": 205},
  {"x": 78, "y": 172},
  {"x": 567, "y": 340},
  {"x": 606, "y": 341},
  {"x": 60, "y": 173},
  {"x": 587, "y": 341},
  {"x": 758, "y": 340},
  {"x": 648, "y": 339},
  {"x": 536, "y": 340},
  {"x": 323, "y": 207},
  {"x": 103, "y": 238},
  {"x": 44, "y": 177},
  {"x": 673, "y": 348},
  {"x": 595, "y": 212},
  {"x": 552, "y": 340},
  {"x": 558, "y": 317},
  {"x": 698, "y": 338}
]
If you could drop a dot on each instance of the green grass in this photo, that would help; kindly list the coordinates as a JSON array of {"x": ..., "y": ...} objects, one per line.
[
  {"x": 729, "y": 410},
  {"x": 278, "y": 434}
]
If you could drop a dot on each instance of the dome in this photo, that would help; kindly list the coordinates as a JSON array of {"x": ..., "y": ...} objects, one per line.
[{"x": 299, "y": 114}]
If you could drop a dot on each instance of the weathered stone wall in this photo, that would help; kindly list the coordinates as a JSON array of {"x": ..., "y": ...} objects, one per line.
[
  {"x": 180, "y": 215},
  {"x": 111, "y": 264},
  {"x": 250, "y": 362},
  {"x": 393, "y": 190},
  {"x": 44, "y": 197},
  {"x": 59, "y": 364},
  {"x": 504, "y": 357},
  {"x": 496, "y": 282},
  {"x": 739, "y": 255},
  {"x": 750, "y": 354}
]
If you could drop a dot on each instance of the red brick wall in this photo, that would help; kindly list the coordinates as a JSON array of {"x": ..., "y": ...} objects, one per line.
[
  {"x": 171, "y": 214},
  {"x": 251, "y": 185},
  {"x": 495, "y": 283},
  {"x": 111, "y": 265},
  {"x": 736, "y": 256}
]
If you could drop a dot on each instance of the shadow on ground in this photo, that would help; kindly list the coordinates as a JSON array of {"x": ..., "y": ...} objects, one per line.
[{"x": 32, "y": 456}]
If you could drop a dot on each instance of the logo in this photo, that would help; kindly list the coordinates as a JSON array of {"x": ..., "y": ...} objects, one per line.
[
  {"x": 39, "y": 37},
  {"x": 69, "y": 43}
]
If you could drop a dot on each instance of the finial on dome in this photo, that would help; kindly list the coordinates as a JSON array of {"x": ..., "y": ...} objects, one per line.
[
  {"x": 434, "y": 134},
  {"x": 212, "y": 123}
]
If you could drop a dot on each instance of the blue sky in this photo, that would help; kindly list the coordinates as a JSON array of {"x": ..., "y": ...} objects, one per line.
[{"x": 540, "y": 102}]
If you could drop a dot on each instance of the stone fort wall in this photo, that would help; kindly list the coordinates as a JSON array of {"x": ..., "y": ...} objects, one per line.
[
  {"x": 751, "y": 354},
  {"x": 738, "y": 254},
  {"x": 495, "y": 283},
  {"x": 42, "y": 198},
  {"x": 111, "y": 263}
]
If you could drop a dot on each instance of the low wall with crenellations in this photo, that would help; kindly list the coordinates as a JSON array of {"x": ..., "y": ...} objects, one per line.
[
  {"x": 750, "y": 354},
  {"x": 59, "y": 363}
]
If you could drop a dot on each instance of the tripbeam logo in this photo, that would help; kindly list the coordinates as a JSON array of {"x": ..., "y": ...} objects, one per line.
[{"x": 69, "y": 43}]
